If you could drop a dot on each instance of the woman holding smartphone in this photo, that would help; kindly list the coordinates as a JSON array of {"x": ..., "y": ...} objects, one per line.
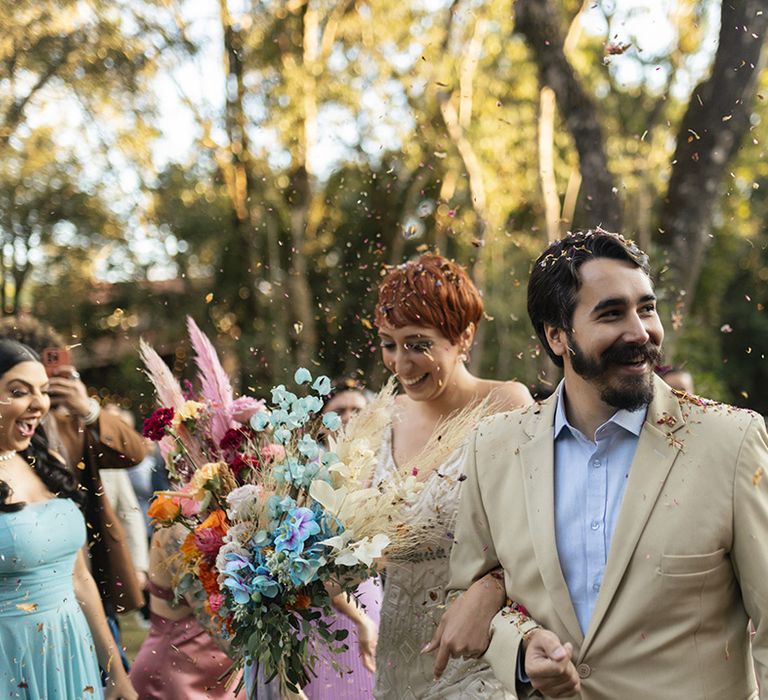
[{"x": 53, "y": 632}]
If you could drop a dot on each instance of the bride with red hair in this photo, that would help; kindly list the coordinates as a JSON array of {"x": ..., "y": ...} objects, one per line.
[{"x": 427, "y": 314}]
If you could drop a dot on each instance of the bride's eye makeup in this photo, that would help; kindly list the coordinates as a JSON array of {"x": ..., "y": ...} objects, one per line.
[{"x": 420, "y": 346}]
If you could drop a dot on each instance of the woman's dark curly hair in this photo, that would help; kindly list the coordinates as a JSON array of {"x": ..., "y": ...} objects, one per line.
[{"x": 52, "y": 471}]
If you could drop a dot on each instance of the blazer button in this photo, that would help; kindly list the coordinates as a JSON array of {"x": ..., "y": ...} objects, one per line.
[{"x": 584, "y": 670}]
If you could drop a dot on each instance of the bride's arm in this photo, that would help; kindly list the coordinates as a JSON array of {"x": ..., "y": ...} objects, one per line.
[
  {"x": 367, "y": 632},
  {"x": 464, "y": 630}
]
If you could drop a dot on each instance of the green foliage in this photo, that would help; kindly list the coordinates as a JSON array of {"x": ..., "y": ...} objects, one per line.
[{"x": 324, "y": 153}]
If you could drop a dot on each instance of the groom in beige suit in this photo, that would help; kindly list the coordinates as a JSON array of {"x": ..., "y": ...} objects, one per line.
[{"x": 630, "y": 521}]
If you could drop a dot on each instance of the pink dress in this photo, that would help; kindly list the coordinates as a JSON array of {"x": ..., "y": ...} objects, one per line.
[
  {"x": 179, "y": 660},
  {"x": 355, "y": 682}
]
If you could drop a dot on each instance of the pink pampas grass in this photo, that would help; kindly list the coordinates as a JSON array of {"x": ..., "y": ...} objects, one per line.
[
  {"x": 214, "y": 381},
  {"x": 167, "y": 387}
]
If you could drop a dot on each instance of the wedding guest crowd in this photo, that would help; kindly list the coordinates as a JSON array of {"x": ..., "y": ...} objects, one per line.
[{"x": 505, "y": 599}]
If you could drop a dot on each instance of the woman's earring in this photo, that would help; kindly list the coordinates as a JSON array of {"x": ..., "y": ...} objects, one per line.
[{"x": 463, "y": 356}]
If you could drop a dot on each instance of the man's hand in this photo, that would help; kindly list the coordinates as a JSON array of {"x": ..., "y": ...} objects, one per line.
[
  {"x": 548, "y": 664},
  {"x": 68, "y": 391}
]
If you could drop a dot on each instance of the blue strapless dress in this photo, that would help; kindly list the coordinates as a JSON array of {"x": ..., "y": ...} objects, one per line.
[{"x": 46, "y": 648}]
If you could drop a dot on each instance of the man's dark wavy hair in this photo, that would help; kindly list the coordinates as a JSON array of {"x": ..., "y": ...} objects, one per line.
[{"x": 554, "y": 281}]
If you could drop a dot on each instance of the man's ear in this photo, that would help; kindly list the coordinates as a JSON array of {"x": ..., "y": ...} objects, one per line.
[{"x": 557, "y": 339}]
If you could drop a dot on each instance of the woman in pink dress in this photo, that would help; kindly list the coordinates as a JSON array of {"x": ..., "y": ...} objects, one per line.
[
  {"x": 352, "y": 679},
  {"x": 181, "y": 658}
]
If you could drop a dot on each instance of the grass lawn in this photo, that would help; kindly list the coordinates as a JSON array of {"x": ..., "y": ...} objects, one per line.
[{"x": 132, "y": 634}]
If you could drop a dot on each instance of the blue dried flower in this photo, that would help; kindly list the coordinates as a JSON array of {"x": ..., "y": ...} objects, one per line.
[
  {"x": 263, "y": 583},
  {"x": 303, "y": 570},
  {"x": 302, "y": 376},
  {"x": 259, "y": 421},
  {"x": 276, "y": 506},
  {"x": 297, "y": 528},
  {"x": 311, "y": 404},
  {"x": 308, "y": 447},
  {"x": 332, "y": 421},
  {"x": 330, "y": 458},
  {"x": 282, "y": 436},
  {"x": 322, "y": 385}
]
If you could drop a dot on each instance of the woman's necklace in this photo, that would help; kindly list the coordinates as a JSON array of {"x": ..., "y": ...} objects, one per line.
[{"x": 5, "y": 456}]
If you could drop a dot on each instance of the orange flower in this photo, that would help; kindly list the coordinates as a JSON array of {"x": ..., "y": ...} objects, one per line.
[
  {"x": 208, "y": 578},
  {"x": 164, "y": 509},
  {"x": 217, "y": 520},
  {"x": 189, "y": 548},
  {"x": 301, "y": 603}
]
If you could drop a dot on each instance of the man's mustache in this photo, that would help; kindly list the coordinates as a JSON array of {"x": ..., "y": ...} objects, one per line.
[{"x": 631, "y": 352}]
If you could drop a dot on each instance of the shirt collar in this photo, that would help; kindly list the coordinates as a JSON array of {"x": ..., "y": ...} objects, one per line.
[{"x": 631, "y": 421}]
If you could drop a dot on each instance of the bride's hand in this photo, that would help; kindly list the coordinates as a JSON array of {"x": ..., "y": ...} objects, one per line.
[
  {"x": 367, "y": 637},
  {"x": 464, "y": 630}
]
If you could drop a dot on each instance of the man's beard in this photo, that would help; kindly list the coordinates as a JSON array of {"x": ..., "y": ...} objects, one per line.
[{"x": 629, "y": 392}]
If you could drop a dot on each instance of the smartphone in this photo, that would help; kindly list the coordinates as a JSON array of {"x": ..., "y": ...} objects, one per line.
[{"x": 54, "y": 359}]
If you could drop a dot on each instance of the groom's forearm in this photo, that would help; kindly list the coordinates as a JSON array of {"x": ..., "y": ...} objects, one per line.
[
  {"x": 473, "y": 554},
  {"x": 504, "y": 653}
]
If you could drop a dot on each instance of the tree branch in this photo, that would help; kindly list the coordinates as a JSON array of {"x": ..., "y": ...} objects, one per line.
[
  {"x": 15, "y": 112},
  {"x": 538, "y": 22}
]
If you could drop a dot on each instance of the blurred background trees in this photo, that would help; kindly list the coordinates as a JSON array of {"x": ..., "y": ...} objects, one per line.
[{"x": 255, "y": 163}]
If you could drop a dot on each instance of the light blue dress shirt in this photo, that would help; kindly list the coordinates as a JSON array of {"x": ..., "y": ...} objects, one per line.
[{"x": 590, "y": 478}]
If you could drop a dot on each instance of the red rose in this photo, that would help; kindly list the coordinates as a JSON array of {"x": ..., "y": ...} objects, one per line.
[
  {"x": 239, "y": 462},
  {"x": 209, "y": 543},
  {"x": 154, "y": 426},
  {"x": 232, "y": 439}
]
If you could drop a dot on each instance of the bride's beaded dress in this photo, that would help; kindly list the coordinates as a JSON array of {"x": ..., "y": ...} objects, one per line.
[{"x": 414, "y": 601}]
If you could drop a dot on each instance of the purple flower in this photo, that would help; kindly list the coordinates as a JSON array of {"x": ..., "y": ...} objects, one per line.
[{"x": 298, "y": 527}]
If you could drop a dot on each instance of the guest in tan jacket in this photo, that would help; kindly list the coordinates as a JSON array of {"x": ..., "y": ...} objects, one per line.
[{"x": 630, "y": 520}]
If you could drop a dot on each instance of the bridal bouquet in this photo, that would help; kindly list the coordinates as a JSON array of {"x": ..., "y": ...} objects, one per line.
[{"x": 278, "y": 502}]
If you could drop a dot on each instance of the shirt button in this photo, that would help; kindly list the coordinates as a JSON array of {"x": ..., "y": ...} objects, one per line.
[
  {"x": 584, "y": 670},
  {"x": 595, "y": 524},
  {"x": 596, "y": 586},
  {"x": 596, "y": 463}
]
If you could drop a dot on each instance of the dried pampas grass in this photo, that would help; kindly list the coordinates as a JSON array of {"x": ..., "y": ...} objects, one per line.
[{"x": 390, "y": 505}]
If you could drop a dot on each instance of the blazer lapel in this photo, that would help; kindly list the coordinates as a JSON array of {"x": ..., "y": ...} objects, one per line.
[
  {"x": 537, "y": 457},
  {"x": 656, "y": 452}
]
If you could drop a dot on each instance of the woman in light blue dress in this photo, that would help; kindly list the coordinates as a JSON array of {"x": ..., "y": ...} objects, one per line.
[{"x": 53, "y": 632}]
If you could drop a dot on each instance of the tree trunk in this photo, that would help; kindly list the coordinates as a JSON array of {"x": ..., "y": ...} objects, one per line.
[
  {"x": 236, "y": 173},
  {"x": 547, "y": 107},
  {"x": 3, "y": 284},
  {"x": 710, "y": 133},
  {"x": 538, "y": 22},
  {"x": 301, "y": 188}
]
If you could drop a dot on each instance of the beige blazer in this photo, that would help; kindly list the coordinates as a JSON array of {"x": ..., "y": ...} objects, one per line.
[{"x": 688, "y": 564}]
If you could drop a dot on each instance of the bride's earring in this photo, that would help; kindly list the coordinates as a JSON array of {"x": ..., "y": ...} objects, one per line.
[{"x": 463, "y": 357}]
